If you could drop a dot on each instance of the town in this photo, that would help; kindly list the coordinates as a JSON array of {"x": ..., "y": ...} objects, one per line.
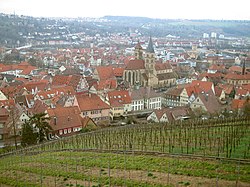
[{"x": 82, "y": 80}]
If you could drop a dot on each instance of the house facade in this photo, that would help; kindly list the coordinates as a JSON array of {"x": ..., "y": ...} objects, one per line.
[
  {"x": 145, "y": 98},
  {"x": 120, "y": 103},
  {"x": 92, "y": 106}
]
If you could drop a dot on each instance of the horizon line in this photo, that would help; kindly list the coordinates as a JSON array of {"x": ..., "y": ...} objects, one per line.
[{"x": 99, "y": 17}]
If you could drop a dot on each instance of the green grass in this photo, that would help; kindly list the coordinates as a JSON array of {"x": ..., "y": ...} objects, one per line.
[
  {"x": 63, "y": 164},
  {"x": 97, "y": 167},
  {"x": 220, "y": 139}
]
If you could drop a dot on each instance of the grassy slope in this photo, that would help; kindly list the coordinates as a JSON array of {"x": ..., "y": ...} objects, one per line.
[{"x": 95, "y": 168}]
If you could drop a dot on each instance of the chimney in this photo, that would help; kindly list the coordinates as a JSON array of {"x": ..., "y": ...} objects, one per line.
[{"x": 55, "y": 120}]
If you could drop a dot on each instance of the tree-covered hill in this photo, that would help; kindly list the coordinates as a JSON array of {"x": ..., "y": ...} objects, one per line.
[{"x": 20, "y": 30}]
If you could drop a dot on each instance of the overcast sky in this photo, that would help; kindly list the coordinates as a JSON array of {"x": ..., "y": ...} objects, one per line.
[{"x": 166, "y": 9}]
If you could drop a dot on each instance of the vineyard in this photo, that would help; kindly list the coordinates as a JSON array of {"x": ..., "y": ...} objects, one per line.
[{"x": 186, "y": 153}]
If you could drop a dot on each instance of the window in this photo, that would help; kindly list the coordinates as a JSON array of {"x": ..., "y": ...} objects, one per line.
[
  {"x": 69, "y": 130},
  {"x": 1, "y": 136},
  {"x": 1, "y": 125},
  {"x": 65, "y": 131},
  {"x": 85, "y": 113},
  {"x": 60, "y": 132}
]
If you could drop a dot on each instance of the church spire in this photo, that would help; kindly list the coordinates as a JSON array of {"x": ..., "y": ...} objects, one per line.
[{"x": 150, "y": 48}]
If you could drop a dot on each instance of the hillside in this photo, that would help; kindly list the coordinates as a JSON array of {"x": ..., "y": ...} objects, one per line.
[
  {"x": 20, "y": 30},
  {"x": 197, "y": 153}
]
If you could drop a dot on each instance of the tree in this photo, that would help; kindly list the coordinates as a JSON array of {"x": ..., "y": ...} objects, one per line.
[
  {"x": 232, "y": 94},
  {"x": 40, "y": 122},
  {"x": 28, "y": 135},
  {"x": 13, "y": 126},
  {"x": 246, "y": 108}
]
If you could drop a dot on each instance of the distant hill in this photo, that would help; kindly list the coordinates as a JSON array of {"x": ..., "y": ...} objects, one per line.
[
  {"x": 186, "y": 27},
  {"x": 20, "y": 30}
]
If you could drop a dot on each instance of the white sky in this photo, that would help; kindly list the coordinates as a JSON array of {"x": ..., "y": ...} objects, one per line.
[{"x": 169, "y": 9}]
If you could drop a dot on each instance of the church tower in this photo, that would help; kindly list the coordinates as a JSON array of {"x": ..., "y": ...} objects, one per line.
[
  {"x": 149, "y": 55},
  {"x": 150, "y": 63},
  {"x": 138, "y": 51}
]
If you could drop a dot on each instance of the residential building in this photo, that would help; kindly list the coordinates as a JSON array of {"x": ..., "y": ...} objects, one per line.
[
  {"x": 169, "y": 114},
  {"x": 120, "y": 102},
  {"x": 206, "y": 102},
  {"x": 4, "y": 115},
  {"x": 145, "y": 98},
  {"x": 66, "y": 121},
  {"x": 237, "y": 79},
  {"x": 92, "y": 106},
  {"x": 173, "y": 97}
]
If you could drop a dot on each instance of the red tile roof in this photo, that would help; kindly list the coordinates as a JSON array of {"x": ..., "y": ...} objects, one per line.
[
  {"x": 128, "y": 59},
  {"x": 105, "y": 72},
  {"x": 24, "y": 66},
  {"x": 162, "y": 66},
  {"x": 234, "y": 76},
  {"x": 38, "y": 107},
  {"x": 70, "y": 80},
  {"x": 136, "y": 64},
  {"x": 228, "y": 88},
  {"x": 64, "y": 117},
  {"x": 205, "y": 86},
  {"x": 241, "y": 91},
  {"x": 172, "y": 113},
  {"x": 7, "y": 103},
  {"x": 238, "y": 103},
  {"x": 144, "y": 92},
  {"x": 54, "y": 91},
  {"x": 212, "y": 75},
  {"x": 235, "y": 69},
  {"x": 193, "y": 90},
  {"x": 119, "y": 97},
  {"x": 40, "y": 85},
  {"x": 210, "y": 102},
  {"x": 89, "y": 102},
  {"x": 217, "y": 67},
  {"x": 118, "y": 72},
  {"x": 106, "y": 84},
  {"x": 11, "y": 91}
]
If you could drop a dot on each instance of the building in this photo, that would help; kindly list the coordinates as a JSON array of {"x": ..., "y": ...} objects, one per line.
[
  {"x": 206, "y": 102},
  {"x": 144, "y": 71},
  {"x": 145, "y": 98},
  {"x": 92, "y": 106},
  {"x": 237, "y": 79},
  {"x": 120, "y": 103},
  {"x": 4, "y": 115},
  {"x": 169, "y": 114},
  {"x": 173, "y": 97},
  {"x": 66, "y": 121}
]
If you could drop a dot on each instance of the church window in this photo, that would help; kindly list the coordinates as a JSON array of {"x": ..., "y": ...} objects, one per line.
[{"x": 129, "y": 77}]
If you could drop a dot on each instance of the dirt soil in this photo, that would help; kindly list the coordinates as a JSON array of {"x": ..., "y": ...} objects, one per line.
[{"x": 135, "y": 175}]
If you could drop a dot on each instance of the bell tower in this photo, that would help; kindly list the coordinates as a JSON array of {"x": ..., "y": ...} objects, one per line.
[
  {"x": 138, "y": 51},
  {"x": 150, "y": 57},
  {"x": 150, "y": 63}
]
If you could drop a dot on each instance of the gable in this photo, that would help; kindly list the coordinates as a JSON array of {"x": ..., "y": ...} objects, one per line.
[
  {"x": 153, "y": 117},
  {"x": 164, "y": 118}
]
